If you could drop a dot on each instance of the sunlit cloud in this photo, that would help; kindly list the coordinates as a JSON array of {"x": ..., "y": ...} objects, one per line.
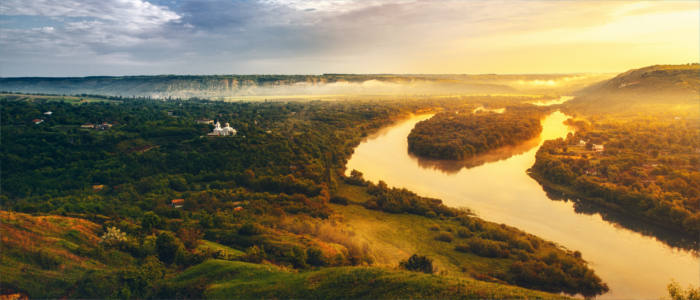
[{"x": 111, "y": 37}]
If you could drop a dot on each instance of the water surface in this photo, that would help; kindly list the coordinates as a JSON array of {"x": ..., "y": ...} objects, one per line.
[{"x": 497, "y": 187}]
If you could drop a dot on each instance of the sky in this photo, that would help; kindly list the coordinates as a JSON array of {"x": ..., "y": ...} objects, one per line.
[{"x": 143, "y": 37}]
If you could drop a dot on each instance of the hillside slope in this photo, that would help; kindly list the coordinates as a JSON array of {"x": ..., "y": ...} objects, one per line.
[
  {"x": 221, "y": 279},
  {"x": 42, "y": 255},
  {"x": 651, "y": 89}
]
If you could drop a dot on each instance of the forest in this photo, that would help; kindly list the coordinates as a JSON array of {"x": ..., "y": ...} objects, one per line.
[
  {"x": 266, "y": 197},
  {"x": 647, "y": 167},
  {"x": 457, "y": 135}
]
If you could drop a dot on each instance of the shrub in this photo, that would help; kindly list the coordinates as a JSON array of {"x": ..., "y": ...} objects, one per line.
[
  {"x": 487, "y": 248},
  {"x": 418, "y": 263},
  {"x": 254, "y": 254},
  {"x": 314, "y": 257},
  {"x": 464, "y": 233},
  {"x": 462, "y": 248},
  {"x": 444, "y": 237},
  {"x": 46, "y": 260},
  {"x": 249, "y": 229},
  {"x": 339, "y": 200}
]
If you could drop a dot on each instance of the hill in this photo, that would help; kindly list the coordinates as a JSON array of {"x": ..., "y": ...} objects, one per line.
[
  {"x": 659, "y": 88},
  {"x": 43, "y": 255},
  {"x": 229, "y": 279}
]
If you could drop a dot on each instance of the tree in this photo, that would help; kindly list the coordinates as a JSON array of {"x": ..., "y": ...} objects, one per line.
[
  {"x": 190, "y": 237},
  {"x": 418, "y": 263},
  {"x": 150, "y": 221},
  {"x": 167, "y": 247},
  {"x": 113, "y": 236},
  {"x": 676, "y": 292}
]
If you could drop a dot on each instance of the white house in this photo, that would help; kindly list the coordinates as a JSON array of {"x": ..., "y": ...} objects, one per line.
[
  {"x": 598, "y": 148},
  {"x": 226, "y": 131}
]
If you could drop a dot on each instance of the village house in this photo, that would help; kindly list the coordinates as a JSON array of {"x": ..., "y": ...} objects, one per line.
[
  {"x": 103, "y": 126},
  {"x": 87, "y": 125},
  {"x": 177, "y": 203},
  {"x": 37, "y": 121},
  {"x": 205, "y": 121},
  {"x": 598, "y": 148},
  {"x": 48, "y": 113},
  {"x": 592, "y": 172}
]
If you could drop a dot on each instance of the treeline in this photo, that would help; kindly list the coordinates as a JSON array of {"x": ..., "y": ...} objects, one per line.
[
  {"x": 457, "y": 135},
  {"x": 648, "y": 169}
]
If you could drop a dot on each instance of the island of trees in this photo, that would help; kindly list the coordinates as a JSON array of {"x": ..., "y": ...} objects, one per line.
[{"x": 456, "y": 135}]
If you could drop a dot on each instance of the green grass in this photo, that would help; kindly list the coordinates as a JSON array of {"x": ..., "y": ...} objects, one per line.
[
  {"x": 394, "y": 237},
  {"x": 231, "y": 279},
  {"x": 356, "y": 194},
  {"x": 225, "y": 250}
]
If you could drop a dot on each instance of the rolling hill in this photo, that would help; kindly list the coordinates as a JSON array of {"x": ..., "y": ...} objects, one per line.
[{"x": 659, "y": 88}]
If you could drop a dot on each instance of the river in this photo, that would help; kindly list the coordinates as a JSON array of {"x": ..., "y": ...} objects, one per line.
[{"x": 497, "y": 187}]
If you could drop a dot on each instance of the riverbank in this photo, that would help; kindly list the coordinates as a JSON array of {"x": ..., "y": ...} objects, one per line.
[
  {"x": 615, "y": 213},
  {"x": 462, "y": 245}
]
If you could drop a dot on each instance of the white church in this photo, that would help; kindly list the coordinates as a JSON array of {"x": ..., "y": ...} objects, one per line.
[{"x": 226, "y": 131}]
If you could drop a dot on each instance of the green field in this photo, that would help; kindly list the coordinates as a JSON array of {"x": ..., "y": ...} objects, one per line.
[{"x": 67, "y": 99}]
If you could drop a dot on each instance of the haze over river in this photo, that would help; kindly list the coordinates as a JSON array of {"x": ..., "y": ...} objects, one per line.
[{"x": 498, "y": 189}]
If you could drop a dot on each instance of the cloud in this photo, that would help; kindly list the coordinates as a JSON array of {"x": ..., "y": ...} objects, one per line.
[
  {"x": 92, "y": 37},
  {"x": 87, "y": 27},
  {"x": 131, "y": 14}
]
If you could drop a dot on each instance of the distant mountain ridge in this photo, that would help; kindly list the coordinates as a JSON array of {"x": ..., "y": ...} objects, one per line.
[{"x": 215, "y": 86}]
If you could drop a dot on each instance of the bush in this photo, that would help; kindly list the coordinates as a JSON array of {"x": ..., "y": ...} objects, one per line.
[
  {"x": 418, "y": 263},
  {"x": 314, "y": 257},
  {"x": 46, "y": 260},
  {"x": 444, "y": 237},
  {"x": 254, "y": 254},
  {"x": 487, "y": 248},
  {"x": 249, "y": 229},
  {"x": 339, "y": 200},
  {"x": 462, "y": 248},
  {"x": 464, "y": 233}
]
